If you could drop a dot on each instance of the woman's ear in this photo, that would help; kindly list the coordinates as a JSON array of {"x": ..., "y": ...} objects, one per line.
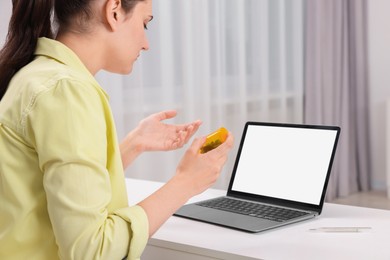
[{"x": 113, "y": 13}]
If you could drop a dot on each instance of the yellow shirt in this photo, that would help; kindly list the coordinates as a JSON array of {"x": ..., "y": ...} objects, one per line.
[{"x": 62, "y": 188}]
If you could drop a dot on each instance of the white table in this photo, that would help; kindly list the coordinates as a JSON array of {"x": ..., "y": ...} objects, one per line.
[{"x": 185, "y": 239}]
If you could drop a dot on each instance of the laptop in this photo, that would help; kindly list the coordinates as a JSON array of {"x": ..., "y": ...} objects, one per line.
[{"x": 279, "y": 177}]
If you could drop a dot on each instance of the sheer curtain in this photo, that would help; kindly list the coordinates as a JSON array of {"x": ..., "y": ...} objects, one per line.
[
  {"x": 223, "y": 61},
  {"x": 336, "y": 86},
  {"x": 5, "y": 15}
]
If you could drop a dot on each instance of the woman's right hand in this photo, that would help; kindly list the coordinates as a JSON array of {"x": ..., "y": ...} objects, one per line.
[
  {"x": 195, "y": 173},
  {"x": 200, "y": 171}
]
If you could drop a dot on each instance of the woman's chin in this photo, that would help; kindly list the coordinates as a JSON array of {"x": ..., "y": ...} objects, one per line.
[{"x": 124, "y": 70}]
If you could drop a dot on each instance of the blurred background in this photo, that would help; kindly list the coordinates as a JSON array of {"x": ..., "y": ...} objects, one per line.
[{"x": 231, "y": 61}]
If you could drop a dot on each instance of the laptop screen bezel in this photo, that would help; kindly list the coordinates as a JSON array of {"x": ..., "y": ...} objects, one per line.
[{"x": 277, "y": 201}]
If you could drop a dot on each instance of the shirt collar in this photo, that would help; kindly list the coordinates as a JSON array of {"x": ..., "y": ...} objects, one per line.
[{"x": 60, "y": 52}]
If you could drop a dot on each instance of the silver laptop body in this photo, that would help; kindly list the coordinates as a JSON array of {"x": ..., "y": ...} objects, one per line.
[{"x": 285, "y": 167}]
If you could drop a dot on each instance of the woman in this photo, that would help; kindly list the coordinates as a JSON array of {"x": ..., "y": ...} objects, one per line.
[{"x": 61, "y": 169}]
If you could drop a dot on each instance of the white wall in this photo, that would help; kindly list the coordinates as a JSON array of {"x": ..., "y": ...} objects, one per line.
[{"x": 379, "y": 51}]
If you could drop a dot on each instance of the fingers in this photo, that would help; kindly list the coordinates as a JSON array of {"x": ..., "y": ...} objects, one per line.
[
  {"x": 227, "y": 145},
  {"x": 197, "y": 143},
  {"x": 196, "y": 124},
  {"x": 190, "y": 131},
  {"x": 182, "y": 138},
  {"x": 168, "y": 114},
  {"x": 186, "y": 127},
  {"x": 187, "y": 131},
  {"x": 185, "y": 135}
]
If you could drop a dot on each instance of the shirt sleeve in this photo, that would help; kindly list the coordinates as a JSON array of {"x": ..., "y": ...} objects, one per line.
[{"x": 68, "y": 128}]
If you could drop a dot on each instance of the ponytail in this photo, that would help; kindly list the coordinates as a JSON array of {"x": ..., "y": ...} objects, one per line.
[{"x": 30, "y": 20}]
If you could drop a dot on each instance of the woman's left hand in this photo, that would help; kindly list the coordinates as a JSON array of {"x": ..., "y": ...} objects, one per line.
[
  {"x": 155, "y": 135},
  {"x": 152, "y": 134}
]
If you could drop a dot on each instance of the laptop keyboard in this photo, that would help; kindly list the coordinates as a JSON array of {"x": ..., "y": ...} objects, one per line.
[{"x": 252, "y": 209}]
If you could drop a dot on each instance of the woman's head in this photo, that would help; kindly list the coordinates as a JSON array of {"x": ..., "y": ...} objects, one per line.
[
  {"x": 82, "y": 15},
  {"x": 116, "y": 28},
  {"x": 31, "y": 19},
  {"x": 124, "y": 29}
]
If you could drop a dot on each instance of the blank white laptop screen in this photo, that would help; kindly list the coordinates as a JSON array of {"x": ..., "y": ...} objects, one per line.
[{"x": 283, "y": 162}]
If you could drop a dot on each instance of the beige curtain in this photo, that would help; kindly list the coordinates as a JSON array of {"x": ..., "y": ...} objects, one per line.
[{"x": 336, "y": 86}]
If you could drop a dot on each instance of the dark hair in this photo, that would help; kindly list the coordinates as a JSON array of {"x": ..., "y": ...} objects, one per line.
[{"x": 30, "y": 20}]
